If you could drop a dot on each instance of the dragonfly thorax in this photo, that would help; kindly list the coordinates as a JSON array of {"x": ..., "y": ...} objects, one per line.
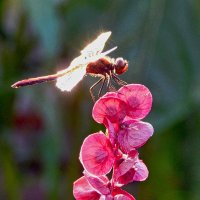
[
  {"x": 107, "y": 66},
  {"x": 100, "y": 67}
]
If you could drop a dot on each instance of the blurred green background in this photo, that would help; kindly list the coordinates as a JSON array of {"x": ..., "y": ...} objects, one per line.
[{"x": 41, "y": 128}]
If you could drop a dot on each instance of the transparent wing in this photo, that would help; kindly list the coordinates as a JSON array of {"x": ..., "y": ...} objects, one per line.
[
  {"x": 92, "y": 51},
  {"x": 77, "y": 69},
  {"x": 96, "y": 47},
  {"x": 72, "y": 77},
  {"x": 84, "y": 60}
]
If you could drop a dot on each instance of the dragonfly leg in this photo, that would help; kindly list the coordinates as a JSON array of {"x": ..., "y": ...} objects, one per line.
[
  {"x": 101, "y": 88},
  {"x": 118, "y": 80},
  {"x": 95, "y": 84},
  {"x": 109, "y": 86}
]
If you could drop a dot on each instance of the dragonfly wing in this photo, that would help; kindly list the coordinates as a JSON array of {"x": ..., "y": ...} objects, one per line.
[
  {"x": 77, "y": 69},
  {"x": 92, "y": 51},
  {"x": 96, "y": 47},
  {"x": 72, "y": 77},
  {"x": 107, "y": 52},
  {"x": 80, "y": 60}
]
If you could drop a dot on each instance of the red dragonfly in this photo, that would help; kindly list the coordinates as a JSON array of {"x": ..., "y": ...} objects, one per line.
[{"x": 92, "y": 61}]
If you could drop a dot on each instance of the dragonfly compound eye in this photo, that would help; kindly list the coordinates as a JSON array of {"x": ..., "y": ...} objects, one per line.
[{"x": 121, "y": 65}]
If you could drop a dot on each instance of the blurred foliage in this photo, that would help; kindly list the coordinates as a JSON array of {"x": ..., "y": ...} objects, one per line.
[{"x": 41, "y": 129}]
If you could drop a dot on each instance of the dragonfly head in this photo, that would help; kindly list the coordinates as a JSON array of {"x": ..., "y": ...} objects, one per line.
[{"x": 121, "y": 66}]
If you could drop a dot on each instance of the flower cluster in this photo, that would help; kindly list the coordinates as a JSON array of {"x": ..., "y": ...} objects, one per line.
[{"x": 121, "y": 112}]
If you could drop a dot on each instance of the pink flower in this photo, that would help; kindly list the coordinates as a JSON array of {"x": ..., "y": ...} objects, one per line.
[
  {"x": 133, "y": 134},
  {"x": 121, "y": 113},
  {"x": 98, "y": 188},
  {"x": 96, "y": 154},
  {"x": 98, "y": 158},
  {"x": 131, "y": 101},
  {"x": 82, "y": 190},
  {"x": 138, "y": 98},
  {"x": 128, "y": 169},
  {"x": 109, "y": 108}
]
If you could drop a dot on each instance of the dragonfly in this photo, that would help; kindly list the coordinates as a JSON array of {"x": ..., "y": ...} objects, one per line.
[{"x": 92, "y": 61}]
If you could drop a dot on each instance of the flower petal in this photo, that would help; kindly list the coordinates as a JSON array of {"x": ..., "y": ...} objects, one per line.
[
  {"x": 121, "y": 197},
  {"x": 129, "y": 170},
  {"x": 82, "y": 190},
  {"x": 96, "y": 154},
  {"x": 110, "y": 108},
  {"x": 138, "y": 98},
  {"x": 141, "y": 171},
  {"x": 112, "y": 131},
  {"x": 124, "y": 170},
  {"x": 120, "y": 194},
  {"x": 134, "y": 134},
  {"x": 99, "y": 183}
]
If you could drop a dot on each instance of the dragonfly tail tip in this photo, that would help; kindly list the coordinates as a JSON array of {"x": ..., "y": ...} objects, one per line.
[{"x": 14, "y": 85}]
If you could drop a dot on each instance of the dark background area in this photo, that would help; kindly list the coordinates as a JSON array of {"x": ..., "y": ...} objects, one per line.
[{"x": 41, "y": 128}]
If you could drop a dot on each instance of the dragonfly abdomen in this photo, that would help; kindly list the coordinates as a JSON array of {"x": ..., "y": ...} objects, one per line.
[{"x": 33, "y": 81}]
